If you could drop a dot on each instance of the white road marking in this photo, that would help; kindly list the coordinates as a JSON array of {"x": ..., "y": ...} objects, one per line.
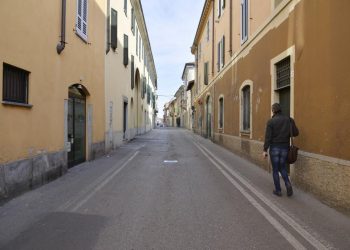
[
  {"x": 170, "y": 161},
  {"x": 102, "y": 184},
  {"x": 298, "y": 228}
]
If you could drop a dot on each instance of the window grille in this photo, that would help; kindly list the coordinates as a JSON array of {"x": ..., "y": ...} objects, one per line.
[
  {"x": 283, "y": 73},
  {"x": 15, "y": 84}
]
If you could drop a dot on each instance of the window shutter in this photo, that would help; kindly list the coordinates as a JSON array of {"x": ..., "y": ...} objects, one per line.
[
  {"x": 137, "y": 42},
  {"x": 223, "y": 2},
  {"x": 133, "y": 21},
  {"x": 126, "y": 50},
  {"x": 126, "y": 6},
  {"x": 219, "y": 49},
  {"x": 82, "y": 18},
  {"x": 114, "y": 30},
  {"x": 223, "y": 52},
  {"x": 219, "y": 8},
  {"x": 132, "y": 72}
]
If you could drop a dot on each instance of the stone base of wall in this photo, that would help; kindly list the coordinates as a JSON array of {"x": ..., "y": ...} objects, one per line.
[
  {"x": 97, "y": 150},
  {"x": 20, "y": 176},
  {"x": 326, "y": 178}
]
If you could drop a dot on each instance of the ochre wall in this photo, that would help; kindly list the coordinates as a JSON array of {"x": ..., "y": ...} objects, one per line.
[
  {"x": 30, "y": 43},
  {"x": 321, "y": 81}
]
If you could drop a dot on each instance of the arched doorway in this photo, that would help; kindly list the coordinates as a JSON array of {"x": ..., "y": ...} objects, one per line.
[
  {"x": 137, "y": 101},
  {"x": 77, "y": 124},
  {"x": 208, "y": 117}
]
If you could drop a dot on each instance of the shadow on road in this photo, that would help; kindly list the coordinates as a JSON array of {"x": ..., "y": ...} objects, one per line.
[{"x": 60, "y": 231}]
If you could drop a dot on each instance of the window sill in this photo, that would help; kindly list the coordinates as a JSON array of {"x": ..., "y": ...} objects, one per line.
[
  {"x": 245, "y": 132},
  {"x": 24, "y": 105},
  {"x": 82, "y": 38}
]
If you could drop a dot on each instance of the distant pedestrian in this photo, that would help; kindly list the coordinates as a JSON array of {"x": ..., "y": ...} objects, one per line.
[{"x": 277, "y": 138}]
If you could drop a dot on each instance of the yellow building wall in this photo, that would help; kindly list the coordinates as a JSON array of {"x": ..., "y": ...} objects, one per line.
[{"x": 30, "y": 43}]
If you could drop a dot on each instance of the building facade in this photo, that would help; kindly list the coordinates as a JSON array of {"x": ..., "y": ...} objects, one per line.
[
  {"x": 251, "y": 54},
  {"x": 188, "y": 77},
  {"x": 64, "y": 86},
  {"x": 131, "y": 79}
]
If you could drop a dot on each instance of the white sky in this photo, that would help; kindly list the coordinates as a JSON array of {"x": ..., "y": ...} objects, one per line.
[{"x": 171, "y": 25}]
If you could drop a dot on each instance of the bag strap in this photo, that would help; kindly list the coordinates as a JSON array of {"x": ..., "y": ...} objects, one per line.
[{"x": 291, "y": 131}]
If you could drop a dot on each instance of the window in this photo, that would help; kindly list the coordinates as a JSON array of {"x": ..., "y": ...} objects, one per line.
[
  {"x": 206, "y": 69},
  {"x": 208, "y": 31},
  {"x": 143, "y": 89},
  {"x": 137, "y": 42},
  {"x": 132, "y": 72},
  {"x": 140, "y": 47},
  {"x": 126, "y": 7},
  {"x": 15, "y": 84},
  {"x": 221, "y": 7},
  {"x": 114, "y": 29},
  {"x": 246, "y": 108},
  {"x": 133, "y": 21},
  {"x": 221, "y": 54},
  {"x": 283, "y": 73},
  {"x": 82, "y": 19},
  {"x": 148, "y": 95},
  {"x": 126, "y": 50},
  {"x": 221, "y": 112},
  {"x": 244, "y": 21}
]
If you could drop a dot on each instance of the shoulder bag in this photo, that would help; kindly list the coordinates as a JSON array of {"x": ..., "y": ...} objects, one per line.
[{"x": 293, "y": 150}]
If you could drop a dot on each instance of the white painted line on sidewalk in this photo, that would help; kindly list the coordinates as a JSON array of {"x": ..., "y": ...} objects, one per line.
[
  {"x": 297, "y": 227},
  {"x": 102, "y": 184},
  {"x": 281, "y": 229}
]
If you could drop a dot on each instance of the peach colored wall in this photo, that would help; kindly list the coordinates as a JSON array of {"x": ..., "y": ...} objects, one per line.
[{"x": 30, "y": 43}]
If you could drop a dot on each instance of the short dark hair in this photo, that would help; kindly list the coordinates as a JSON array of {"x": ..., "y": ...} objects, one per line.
[{"x": 276, "y": 108}]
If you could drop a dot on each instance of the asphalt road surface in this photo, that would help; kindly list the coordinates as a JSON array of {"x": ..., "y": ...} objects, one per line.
[{"x": 169, "y": 189}]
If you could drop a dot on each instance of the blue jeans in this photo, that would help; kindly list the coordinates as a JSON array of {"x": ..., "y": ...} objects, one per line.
[{"x": 278, "y": 156}]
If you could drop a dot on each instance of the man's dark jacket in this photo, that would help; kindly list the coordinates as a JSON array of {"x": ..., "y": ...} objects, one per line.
[{"x": 278, "y": 131}]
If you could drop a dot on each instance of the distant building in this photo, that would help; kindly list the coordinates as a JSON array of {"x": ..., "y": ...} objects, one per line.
[{"x": 188, "y": 77}]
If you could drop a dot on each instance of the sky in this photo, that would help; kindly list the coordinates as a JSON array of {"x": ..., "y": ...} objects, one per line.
[{"x": 171, "y": 26}]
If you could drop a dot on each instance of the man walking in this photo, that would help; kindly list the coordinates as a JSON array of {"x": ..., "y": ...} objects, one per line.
[{"x": 277, "y": 138}]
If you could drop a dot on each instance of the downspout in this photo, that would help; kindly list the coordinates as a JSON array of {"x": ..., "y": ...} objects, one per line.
[
  {"x": 108, "y": 44},
  {"x": 213, "y": 47},
  {"x": 60, "y": 47},
  {"x": 231, "y": 49}
]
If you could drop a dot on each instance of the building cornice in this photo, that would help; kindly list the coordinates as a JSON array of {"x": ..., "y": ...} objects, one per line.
[
  {"x": 140, "y": 18},
  {"x": 201, "y": 25}
]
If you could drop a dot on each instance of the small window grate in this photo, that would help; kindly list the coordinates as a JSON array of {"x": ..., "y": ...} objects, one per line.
[
  {"x": 15, "y": 84},
  {"x": 283, "y": 73}
]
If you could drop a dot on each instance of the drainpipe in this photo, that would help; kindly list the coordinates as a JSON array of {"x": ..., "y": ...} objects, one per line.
[
  {"x": 60, "y": 47},
  {"x": 213, "y": 47},
  {"x": 231, "y": 49},
  {"x": 108, "y": 47}
]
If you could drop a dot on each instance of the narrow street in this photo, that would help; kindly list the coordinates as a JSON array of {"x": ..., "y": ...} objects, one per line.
[{"x": 169, "y": 189}]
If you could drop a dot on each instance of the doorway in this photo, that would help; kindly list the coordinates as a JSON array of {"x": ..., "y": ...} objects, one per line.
[
  {"x": 208, "y": 117},
  {"x": 125, "y": 119},
  {"x": 76, "y": 126}
]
